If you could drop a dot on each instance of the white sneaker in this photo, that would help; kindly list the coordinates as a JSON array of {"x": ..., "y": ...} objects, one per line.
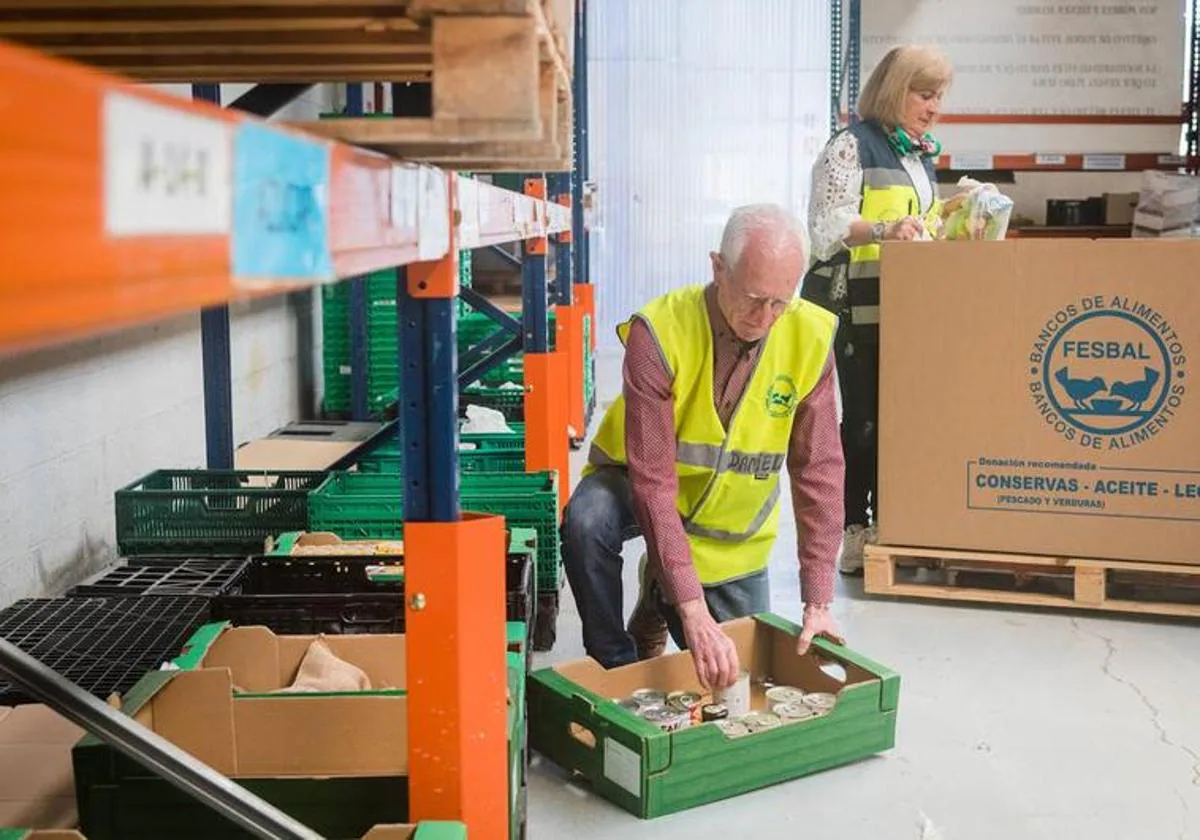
[{"x": 850, "y": 561}]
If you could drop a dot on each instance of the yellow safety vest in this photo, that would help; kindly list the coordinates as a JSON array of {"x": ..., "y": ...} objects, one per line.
[
  {"x": 888, "y": 195},
  {"x": 728, "y": 495}
]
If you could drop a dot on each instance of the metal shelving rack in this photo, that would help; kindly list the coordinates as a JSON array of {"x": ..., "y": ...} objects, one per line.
[{"x": 171, "y": 206}]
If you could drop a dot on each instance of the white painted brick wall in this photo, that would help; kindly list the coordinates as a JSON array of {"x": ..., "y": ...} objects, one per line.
[{"x": 79, "y": 421}]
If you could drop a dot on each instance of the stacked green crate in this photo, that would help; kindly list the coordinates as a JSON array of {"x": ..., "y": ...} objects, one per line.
[
  {"x": 517, "y": 730},
  {"x": 357, "y": 505},
  {"x": 383, "y": 366},
  {"x": 589, "y": 367}
]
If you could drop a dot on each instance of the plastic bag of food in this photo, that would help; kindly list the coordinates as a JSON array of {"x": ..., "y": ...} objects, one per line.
[{"x": 978, "y": 211}]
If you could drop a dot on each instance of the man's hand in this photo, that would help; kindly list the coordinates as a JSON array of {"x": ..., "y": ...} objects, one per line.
[
  {"x": 817, "y": 622},
  {"x": 906, "y": 229},
  {"x": 713, "y": 652}
]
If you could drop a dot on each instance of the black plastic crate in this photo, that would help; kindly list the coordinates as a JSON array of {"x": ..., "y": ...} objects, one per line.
[
  {"x": 202, "y": 577},
  {"x": 103, "y": 645},
  {"x": 310, "y": 594}
]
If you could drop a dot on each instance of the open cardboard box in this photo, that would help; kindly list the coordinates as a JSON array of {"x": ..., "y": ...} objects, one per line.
[
  {"x": 336, "y": 761},
  {"x": 576, "y": 721},
  {"x": 328, "y": 544},
  {"x": 37, "y": 789}
]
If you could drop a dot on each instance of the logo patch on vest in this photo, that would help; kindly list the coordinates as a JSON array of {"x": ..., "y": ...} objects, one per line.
[{"x": 781, "y": 397}]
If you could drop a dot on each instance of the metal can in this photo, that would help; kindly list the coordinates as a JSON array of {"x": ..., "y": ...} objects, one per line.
[
  {"x": 712, "y": 712},
  {"x": 784, "y": 694},
  {"x": 820, "y": 701},
  {"x": 736, "y": 698},
  {"x": 684, "y": 701},
  {"x": 629, "y": 704},
  {"x": 792, "y": 711},
  {"x": 649, "y": 697},
  {"x": 761, "y": 721},
  {"x": 732, "y": 728},
  {"x": 666, "y": 719}
]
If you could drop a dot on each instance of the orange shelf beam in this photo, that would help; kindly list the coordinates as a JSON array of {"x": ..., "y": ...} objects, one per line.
[{"x": 123, "y": 205}]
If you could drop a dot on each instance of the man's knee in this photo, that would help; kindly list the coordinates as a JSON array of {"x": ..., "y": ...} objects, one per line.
[{"x": 594, "y": 511}]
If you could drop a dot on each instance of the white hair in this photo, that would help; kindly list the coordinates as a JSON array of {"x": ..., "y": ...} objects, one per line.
[{"x": 782, "y": 226}]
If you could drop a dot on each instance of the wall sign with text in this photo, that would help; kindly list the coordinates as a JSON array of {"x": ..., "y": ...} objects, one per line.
[{"x": 1035, "y": 57}]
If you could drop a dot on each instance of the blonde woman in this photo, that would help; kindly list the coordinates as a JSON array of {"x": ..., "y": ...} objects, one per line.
[{"x": 873, "y": 182}]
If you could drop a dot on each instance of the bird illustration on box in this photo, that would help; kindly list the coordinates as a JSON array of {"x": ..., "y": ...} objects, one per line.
[
  {"x": 1138, "y": 391},
  {"x": 1080, "y": 390}
]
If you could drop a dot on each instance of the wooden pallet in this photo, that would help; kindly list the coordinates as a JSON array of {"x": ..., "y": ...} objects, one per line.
[
  {"x": 1031, "y": 580},
  {"x": 500, "y": 70}
]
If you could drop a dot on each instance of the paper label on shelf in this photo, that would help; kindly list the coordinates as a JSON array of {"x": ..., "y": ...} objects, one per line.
[
  {"x": 1172, "y": 160},
  {"x": 1105, "y": 162},
  {"x": 971, "y": 162},
  {"x": 165, "y": 171},
  {"x": 1050, "y": 160},
  {"x": 434, "y": 215},
  {"x": 623, "y": 766},
  {"x": 468, "y": 206},
  {"x": 280, "y": 206},
  {"x": 405, "y": 202}
]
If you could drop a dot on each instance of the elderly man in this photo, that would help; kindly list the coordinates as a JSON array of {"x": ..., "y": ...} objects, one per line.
[{"x": 722, "y": 385}]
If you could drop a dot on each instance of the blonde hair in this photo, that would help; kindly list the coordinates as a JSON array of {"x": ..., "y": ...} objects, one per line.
[{"x": 903, "y": 70}]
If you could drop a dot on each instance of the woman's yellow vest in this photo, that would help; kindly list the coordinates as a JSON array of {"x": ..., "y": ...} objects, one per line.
[{"x": 728, "y": 495}]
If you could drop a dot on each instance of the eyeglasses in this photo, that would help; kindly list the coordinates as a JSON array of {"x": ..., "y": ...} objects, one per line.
[{"x": 754, "y": 303}]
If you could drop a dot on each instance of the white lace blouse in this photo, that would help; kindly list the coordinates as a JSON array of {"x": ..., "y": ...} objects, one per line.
[{"x": 837, "y": 193}]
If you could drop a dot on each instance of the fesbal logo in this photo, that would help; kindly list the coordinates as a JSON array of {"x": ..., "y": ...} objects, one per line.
[{"x": 1108, "y": 372}]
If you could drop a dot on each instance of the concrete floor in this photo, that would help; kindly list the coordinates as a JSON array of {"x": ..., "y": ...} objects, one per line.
[{"x": 1013, "y": 723}]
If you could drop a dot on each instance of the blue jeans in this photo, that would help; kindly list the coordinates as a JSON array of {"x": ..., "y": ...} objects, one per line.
[{"x": 597, "y": 523}]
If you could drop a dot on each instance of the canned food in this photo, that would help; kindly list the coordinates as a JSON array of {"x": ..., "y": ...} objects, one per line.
[
  {"x": 649, "y": 697},
  {"x": 713, "y": 711},
  {"x": 736, "y": 698},
  {"x": 684, "y": 701},
  {"x": 666, "y": 719},
  {"x": 732, "y": 728},
  {"x": 792, "y": 711},
  {"x": 820, "y": 701},
  {"x": 629, "y": 704},
  {"x": 784, "y": 694},
  {"x": 761, "y": 721}
]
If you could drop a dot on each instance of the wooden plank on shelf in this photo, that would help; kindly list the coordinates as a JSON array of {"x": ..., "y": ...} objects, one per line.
[
  {"x": 541, "y": 145},
  {"x": 1160, "y": 589},
  {"x": 125, "y": 31}
]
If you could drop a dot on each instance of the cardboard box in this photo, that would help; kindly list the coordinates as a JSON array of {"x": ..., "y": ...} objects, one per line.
[
  {"x": 1036, "y": 397},
  {"x": 576, "y": 721},
  {"x": 335, "y": 761},
  {"x": 37, "y": 788},
  {"x": 1119, "y": 207}
]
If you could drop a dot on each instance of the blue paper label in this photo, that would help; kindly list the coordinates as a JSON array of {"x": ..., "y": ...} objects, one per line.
[{"x": 280, "y": 206}]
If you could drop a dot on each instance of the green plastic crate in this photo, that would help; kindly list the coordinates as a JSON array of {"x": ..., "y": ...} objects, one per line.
[
  {"x": 467, "y": 442},
  {"x": 589, "y": 367},
  {"x": 210, "y": 512},
  {"x": 508, "y": 401},
  {"x": 517, "y": 741},
  {"x": 371, "y": 506},
  {"x": 650, "y": 772},
  {"x": 469, "y": 461}
]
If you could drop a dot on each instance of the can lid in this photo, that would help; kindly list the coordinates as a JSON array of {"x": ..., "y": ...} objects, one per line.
[
  {"x": 820, "y": 701},
  {"x": 784, "y": 694},
  {"x": 792, "y": 711}
]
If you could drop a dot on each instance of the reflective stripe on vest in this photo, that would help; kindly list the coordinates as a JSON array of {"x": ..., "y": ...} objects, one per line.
[
  {"x": 728, "y": 481},
  {"x": 888, "y": 196}
]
